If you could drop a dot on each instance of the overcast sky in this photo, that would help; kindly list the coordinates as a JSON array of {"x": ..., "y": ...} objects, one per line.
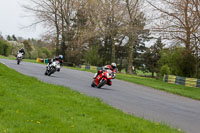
[{"x": 12, "y": 20}]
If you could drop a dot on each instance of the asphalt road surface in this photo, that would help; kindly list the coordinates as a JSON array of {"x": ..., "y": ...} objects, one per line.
[{"x": 151, "y": 104}]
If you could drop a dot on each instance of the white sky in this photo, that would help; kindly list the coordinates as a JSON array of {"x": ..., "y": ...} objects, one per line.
[{"x": 12, "y": 20}]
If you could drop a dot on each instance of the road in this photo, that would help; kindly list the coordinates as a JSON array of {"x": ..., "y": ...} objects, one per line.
[{"x": 149, "y": 103}]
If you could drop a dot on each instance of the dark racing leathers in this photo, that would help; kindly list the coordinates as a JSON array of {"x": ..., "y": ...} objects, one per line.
[
  {"x": 55, "y": 59},
  {"x": 21, "y": 51}
]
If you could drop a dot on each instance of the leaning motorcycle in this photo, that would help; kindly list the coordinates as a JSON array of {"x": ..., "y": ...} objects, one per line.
[
  {"x": 103, "y": 79},
  {"x": 52, "y": 68},
  {"x": 19, "y": 58}
]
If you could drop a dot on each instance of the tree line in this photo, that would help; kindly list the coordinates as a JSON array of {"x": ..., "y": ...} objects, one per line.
[{"x": 98, "y": 32}]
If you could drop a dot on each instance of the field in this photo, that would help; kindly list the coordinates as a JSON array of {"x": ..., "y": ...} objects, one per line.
[{"x": 31, "y": 106}]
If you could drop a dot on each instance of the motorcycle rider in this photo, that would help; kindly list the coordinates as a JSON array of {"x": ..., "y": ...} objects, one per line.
[
  {"x": 58, "y": 58},
  {"x": 21, "y": 51},
  {"x": 111, "y": 67}
]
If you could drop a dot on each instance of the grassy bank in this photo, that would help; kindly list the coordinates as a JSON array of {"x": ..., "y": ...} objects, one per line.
[
  {"x": 190, "y": 92},
  {"x": 14, "y": 58},
  {"x": 31, "y": 106}
]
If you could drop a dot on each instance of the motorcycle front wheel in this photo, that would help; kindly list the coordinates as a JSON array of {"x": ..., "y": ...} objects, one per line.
[
  {"x": 18, "y": 61},
  {"x": 102, "y": 83},
  {"x": 51, "y": 71},
  {"x": 93, "y": 84}
]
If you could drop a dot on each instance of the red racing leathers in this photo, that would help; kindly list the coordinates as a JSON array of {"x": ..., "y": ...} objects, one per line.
[{"x": 107, "y": 67}]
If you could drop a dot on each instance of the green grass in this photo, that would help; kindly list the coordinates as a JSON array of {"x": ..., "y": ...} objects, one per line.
[
  {"x": 14, "y": 58},
  {"x": 28, "y": 105},
  {"x": 189, "y": 92}
]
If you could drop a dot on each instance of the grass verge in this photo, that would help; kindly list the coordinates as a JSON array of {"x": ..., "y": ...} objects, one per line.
[
  {"x": 31, "y": 106},
  {"x": 189, "y": 92}
]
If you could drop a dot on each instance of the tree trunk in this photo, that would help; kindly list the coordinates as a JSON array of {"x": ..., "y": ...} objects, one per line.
[
  {"x": 152, "y": 74},
  {"x": 130, "y": 56},
  {"x": 113, "y": 48}
]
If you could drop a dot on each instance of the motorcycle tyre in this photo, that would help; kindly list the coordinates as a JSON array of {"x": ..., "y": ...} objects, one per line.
[
  {"x": 18, "y": 61},
  {"x": 46, "y": 73},
  {"x": 102, "y": 83},
  {"x": 93, "y": 84},
  {"x": 51, "y": 71}
]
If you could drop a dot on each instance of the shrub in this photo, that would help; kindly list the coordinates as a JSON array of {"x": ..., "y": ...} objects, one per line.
[
  {"x": 44, "y": 53},
  {"x": 164, "y": 70},
  {"x": 5, "y": 48}
]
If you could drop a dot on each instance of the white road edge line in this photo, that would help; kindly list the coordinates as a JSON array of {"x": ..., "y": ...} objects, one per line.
[{"x": 5, "y": 64}]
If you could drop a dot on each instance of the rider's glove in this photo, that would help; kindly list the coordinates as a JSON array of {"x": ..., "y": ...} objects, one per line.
[{"x": 114, "y": 76}]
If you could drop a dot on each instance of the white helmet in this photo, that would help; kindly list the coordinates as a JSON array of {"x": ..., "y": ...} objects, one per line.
[{"x": 113, "y": 65}]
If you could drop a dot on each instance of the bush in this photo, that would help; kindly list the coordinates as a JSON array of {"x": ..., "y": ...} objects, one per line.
[
  {"x": 180, "y": 61},
  {"x": 164, "y": 70},
  {"x": 16, "y": 46},
  {"x": 92, "y": 56},
  {"x": 44, "y": 53},
  {"x": 5, "y": 48}
]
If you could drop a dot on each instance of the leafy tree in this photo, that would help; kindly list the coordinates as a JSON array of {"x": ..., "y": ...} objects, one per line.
[
  {"x": 9, "y": 38},
  {"x": 152, "y": 56},
  {"x": 44, "y": 53},
  {"x": 180, "y": 61},
  {"x": 164, "y": 70},
  {"x": 5, "y": 48},
  {"x": 14, "y": 38},
  {"x": 1, "y": 36},
  {"x": 28, "y": 48},
  {"x": 92, "y": 56}
]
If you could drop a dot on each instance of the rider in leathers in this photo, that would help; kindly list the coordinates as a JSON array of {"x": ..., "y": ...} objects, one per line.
[
  {"x": 21, "y": 51},
  {"x": 111, "y": 67},
  {"x": 59, "y": 58}
]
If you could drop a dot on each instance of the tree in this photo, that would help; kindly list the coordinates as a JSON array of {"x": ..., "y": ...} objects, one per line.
[
  {"x": 178, "y": 21},
  {"x": 179, "y": 61},
  {"x": 152, "y": 56},
  {"x": 92, "y": 56},
  {"x": 28, "y": 48},
  {"x": 14, "y": 38},
  {"x": 1, "y": 36},
  {"x": 133, "y": 27},
  {"x": 5, "y": 48},
  {"x": 9, "y": 38},
  {"x": 78, "y": 25}
]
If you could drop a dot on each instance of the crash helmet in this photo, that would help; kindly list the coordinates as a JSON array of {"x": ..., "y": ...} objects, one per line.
[
  {"x": 113, "y": 65},
  {"x": 60, "y": 57},
  {"x": 106, "y": 67}
]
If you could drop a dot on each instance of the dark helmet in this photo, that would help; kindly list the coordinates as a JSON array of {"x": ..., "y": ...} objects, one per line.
[
  {"x": 113, "y": 65},
  {"x": 60, "y": 57},
  {"x": 22, "y": 49}
]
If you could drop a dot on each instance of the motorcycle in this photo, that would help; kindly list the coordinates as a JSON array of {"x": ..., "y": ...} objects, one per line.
[
  {"x": 19, "y": 58},
  {"x": 52, "y": 68},
  {"x": 103, "y": 78}
]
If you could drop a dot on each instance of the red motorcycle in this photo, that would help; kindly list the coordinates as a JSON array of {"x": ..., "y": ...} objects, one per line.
[{"x": 103, "y": 78}]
